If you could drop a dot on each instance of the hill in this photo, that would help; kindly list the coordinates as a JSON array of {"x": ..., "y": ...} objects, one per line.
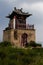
[{"x": 20, "y": 56}]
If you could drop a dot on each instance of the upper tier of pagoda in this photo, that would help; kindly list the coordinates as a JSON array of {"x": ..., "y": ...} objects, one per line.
[{"x": 18, "y": 12}]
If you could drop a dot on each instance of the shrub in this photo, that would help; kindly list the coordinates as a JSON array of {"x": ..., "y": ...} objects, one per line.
[
  {"x": 32, "y": 44},
  {"x": 5, "y": 44},
  {"x": 38, "y": 45}
]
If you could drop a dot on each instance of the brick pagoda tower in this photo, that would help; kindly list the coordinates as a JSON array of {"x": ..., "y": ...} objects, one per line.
[{"x": 18, "y": 32}]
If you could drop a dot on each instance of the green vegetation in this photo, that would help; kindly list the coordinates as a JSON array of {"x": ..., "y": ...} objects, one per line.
[
  {"x": 5, "y": 44},
  {"x": 20, "y": 56},
  {"x": 33, "y": 44}
]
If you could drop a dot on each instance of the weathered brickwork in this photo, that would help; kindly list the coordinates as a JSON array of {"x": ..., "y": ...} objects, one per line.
[{"x": 8, "y": 35}]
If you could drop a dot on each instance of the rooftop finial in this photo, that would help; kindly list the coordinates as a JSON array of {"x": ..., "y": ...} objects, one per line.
[
  {"x": 21, "y": 9},
  {"x": 14, "y": 8}
]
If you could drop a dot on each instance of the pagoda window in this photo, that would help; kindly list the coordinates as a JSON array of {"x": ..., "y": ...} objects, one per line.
[
  {"x": 15, "y": 35},
  {"x": 21, "y": 21}
]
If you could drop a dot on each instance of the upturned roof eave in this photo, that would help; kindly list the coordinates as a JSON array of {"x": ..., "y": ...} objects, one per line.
[{"x": 15, "y": 13}]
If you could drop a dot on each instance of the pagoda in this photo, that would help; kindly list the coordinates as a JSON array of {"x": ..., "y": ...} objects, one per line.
[{"x": 18, "y": 32}]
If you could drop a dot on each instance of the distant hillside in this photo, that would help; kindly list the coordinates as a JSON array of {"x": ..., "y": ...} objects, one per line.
[{"x": 18, "y": 56}]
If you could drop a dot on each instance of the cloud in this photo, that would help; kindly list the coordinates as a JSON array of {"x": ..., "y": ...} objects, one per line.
[
  {"x": 39, "y": 32},
  {"x": 10, "y": 1},
  {"x": 38, "y": 6}
]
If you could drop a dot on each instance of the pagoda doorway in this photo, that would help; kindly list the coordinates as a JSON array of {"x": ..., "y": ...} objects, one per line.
[{"x": 24, "y": 39}]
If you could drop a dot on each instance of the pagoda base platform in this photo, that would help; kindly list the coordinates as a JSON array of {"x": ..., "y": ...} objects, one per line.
[{"x": 15, "y": 36}]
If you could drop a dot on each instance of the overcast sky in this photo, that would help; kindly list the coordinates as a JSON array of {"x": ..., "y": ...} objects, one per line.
[{"x": 34, "y": 7}]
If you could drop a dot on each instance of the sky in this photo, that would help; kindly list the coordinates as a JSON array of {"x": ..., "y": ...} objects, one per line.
[{"x": 34, "y": 7}]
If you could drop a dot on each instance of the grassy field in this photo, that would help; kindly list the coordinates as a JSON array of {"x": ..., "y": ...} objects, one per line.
[{"x": 20, "y": 56}]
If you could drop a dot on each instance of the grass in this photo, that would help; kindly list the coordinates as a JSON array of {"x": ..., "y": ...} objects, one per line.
[{"x": 20, "y": 56}]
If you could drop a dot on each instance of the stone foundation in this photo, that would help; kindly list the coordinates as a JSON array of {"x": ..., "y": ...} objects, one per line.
[{"x": 8, "y": 35}]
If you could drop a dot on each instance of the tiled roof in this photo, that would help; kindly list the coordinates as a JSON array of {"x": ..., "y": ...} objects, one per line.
[{"x": 18, "y": 12}]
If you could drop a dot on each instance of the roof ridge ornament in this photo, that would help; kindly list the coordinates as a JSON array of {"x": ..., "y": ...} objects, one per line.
[
  {"x": 18, "y": 12},
  {"x": 14, "y": 8}
]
